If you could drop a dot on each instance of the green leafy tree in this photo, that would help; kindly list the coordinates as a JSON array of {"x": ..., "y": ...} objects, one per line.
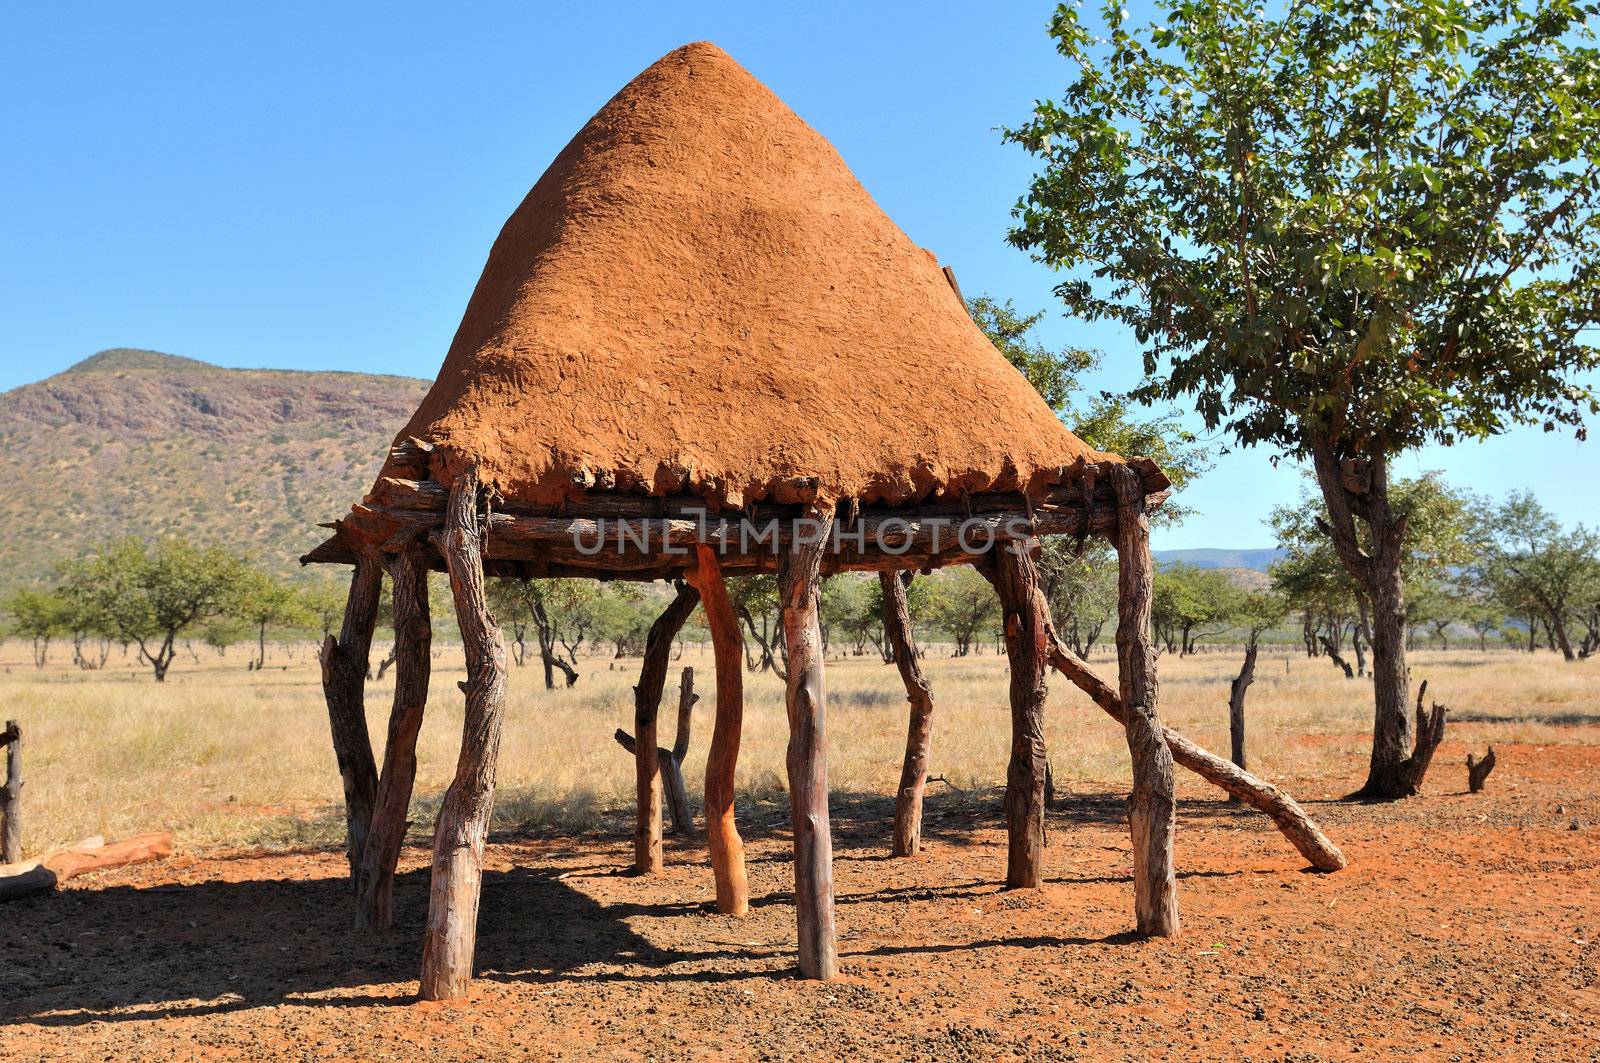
[
  {"x": 322, "y": 605},
  {"x": 151, "y": 594},
  {"x": 1344, "y": 229},
  {"x": 262, "y": 601},
  {"x": 1105, "y": 422},
  {"x": 755, "y": 602},
  {"x": 1535, "y": 564},
  {"x": 1315, "y": 579},
  {"x": 964, "y": 606},
  {"x": 1188, "y": 601},
  {"x": 38, "y": 616},
  {"x": 223, "y": 632},
  {"x": 1080, "y": 583}
]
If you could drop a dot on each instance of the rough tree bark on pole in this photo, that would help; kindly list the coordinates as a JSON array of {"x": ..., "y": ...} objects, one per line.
[
  {"x": 1027, "y": 636},
  {"x": 647, "y": 858},
  {"x": 919, "y": 730},
  {"x": 799, "y": 589},
  {"x": 344, "y": 676},
  {"x": 722, "y": 832},
  {"x": 1152, "y": 804},
  {"x": 11, "y": 795},
  {"x": 451, "y": 936},
  {"x": 413, "y": 642}
]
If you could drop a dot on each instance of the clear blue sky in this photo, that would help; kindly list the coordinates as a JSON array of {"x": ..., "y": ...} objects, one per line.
[{"x": 316, "y": 185}]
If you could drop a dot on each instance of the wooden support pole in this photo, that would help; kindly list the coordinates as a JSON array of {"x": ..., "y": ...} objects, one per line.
[
  {"x": 722, "y": 833},
  {"x": 647, "y": 859},
  {"x": 1152, "y": 805},
  {"x": 1027, "y": 635},
  {"x": 919, "y": 729},
  {"x": 413, "y": 642},
  {"x": 458, "y": 840},
  {"x": 799, "y": 590},
  {"x": 11, "y": 795},
  {"x": 344, "y": 677}
]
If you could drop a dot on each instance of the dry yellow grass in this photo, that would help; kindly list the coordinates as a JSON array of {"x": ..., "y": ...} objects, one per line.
[{"x": 231, "y": 758}]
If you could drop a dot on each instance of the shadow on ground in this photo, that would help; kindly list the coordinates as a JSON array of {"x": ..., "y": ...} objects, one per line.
[{"x": 127, "y": 953}]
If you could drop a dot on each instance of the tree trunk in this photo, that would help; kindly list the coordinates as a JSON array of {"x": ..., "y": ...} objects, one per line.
[
  {"x": 672, "y": 767},
  {"x": 919, "y": 730},
  {"x": 413, "y": 643},
  {"x": 344, "y": 674},
  {"x": 722, "y": 832},
  {"x": 1027, "y": 634},
  {"x": 1236, "y": 692},
  {"x": 1356, "y": 490},
  {"x": 458, "y": 840},
  {"x": 11, "y": 795},
  {"x": 1152, "y": 805},
  {"x": 799, "y": 574},
  {"x": 647, "y": 859}
]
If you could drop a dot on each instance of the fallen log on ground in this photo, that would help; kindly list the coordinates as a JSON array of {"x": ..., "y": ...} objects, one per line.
[
  {"x": 1290, "y": 818},
  {"x": 63, "y": 864}
]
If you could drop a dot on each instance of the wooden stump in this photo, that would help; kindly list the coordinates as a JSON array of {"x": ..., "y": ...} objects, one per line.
[
  {"x": 807, "y": 761},
  {"x": 919, "y": 729},
  {"x": 1478, "y": 770},
  {"x": 1237, "y": 689},
  {"x": 647, "y": 859},
  {"x": 722, "y": 832},
  {"x": 672, "y": 767},
  {"x": 11, "y": 795},
  {"x": 1152, "y": 805},
  {"x": 1429, "y": 732},
  {"x": 458, "y": 840},
  {"x": 1027, "y": 635},
  {"x": 413, "y": 642},
  {"x": 344, "y": 677}
]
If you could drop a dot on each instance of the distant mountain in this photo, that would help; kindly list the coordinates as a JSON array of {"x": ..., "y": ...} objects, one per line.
[
  {"x": 140, "y": 442},
  {"x": 1206, "y": 557}
]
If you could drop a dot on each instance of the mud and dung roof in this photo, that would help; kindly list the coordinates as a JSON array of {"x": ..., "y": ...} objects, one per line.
[{"x": 698, "y": 296}]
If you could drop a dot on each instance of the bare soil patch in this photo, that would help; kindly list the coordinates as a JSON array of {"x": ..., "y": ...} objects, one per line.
[{"x": 1467, "y": 927}]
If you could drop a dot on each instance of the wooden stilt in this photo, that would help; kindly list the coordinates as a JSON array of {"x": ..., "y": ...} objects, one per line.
[
  {"x": 344, "y": 676},
  {"x": 1027, "y": 633},
  {"x": 458, "y": 840},
  {"x": 413, "y": 641},
  {"x": 647, "y": 859},
  {"x": 1152, "y": 806},
  {"x": 919, "y": 730},
  {"x": 798, "y": 593},
  {"x": 722, "y": 833}
]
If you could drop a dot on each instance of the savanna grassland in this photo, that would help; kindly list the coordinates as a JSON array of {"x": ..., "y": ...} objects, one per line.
[{"x": 230, "y": 758}]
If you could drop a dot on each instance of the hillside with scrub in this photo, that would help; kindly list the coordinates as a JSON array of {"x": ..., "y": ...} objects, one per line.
[{"x": 132, "y": 442}]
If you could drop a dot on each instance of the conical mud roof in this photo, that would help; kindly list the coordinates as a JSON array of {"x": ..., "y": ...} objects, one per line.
[{"x": 698, "y": 296}]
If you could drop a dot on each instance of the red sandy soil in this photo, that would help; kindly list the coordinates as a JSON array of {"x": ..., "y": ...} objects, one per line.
[{"x": 1467, "y": 927}]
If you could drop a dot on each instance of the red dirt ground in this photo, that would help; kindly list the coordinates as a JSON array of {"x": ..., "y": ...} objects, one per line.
[{"x": 1467, "y": 927}]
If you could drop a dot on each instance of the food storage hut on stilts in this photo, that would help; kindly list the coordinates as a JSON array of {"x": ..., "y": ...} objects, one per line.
[{"x": 700, "y": 349}]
